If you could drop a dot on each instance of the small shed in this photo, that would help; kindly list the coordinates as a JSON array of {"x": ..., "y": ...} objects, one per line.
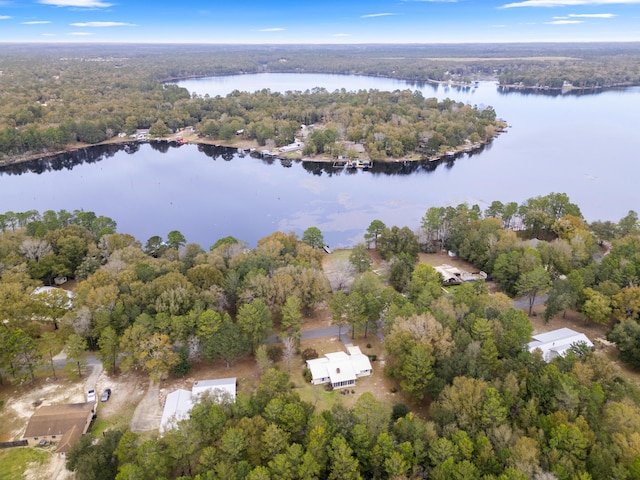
[{"x": 557, "y": 343}]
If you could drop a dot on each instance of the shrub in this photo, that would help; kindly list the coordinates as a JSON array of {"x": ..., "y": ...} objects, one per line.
[
  {"x": 274, "y": 352},
  {"x": 400, "y": 410},
  {"x": 309, "y": 354},
  {"x": 306, "y": 374}
]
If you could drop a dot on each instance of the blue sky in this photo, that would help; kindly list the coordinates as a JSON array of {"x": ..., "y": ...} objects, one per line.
[{"x": 324, "y": 21}]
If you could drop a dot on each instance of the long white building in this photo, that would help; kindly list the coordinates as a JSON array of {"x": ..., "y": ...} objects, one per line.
[{"x": 557, "y": 342}]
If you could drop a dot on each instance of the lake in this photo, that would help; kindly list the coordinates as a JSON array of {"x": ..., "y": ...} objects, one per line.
[{"x": 583, "y": 145}]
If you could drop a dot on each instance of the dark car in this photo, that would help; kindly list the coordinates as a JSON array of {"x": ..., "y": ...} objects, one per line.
[{"x": 105, "y": 395}]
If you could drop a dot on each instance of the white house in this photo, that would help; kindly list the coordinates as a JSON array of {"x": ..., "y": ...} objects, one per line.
[
  {"x": 179, "y": 403},
  {"x": 48, "y": 291},
  {"x": 292, "y": 147},
  {"x": 455, "y": 275},
  {"x": 339, "y": 368},
  {"x": 557, "y": 342}
]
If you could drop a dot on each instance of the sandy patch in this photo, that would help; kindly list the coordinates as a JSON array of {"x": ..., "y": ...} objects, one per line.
[
  {"x": 53, "y": 470},
  {"x": 20, "y": 404}
]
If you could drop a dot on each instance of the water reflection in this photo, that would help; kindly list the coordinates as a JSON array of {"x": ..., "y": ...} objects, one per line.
[
  {"x": 555, "y": 92},
  {"x": 90, "y": 155},
  {"x": 64, "y": 161}
]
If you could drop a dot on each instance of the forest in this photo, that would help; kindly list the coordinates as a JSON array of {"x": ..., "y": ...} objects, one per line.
[
  {"x": 56, "y": 96},
  {"x": 494, "y": 410}
]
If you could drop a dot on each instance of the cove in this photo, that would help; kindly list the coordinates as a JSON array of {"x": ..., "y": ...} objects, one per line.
[{"x": 583, "y": 145}]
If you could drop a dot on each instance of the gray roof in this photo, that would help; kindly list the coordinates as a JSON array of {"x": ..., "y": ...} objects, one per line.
[{"x": 557, "y": 342}]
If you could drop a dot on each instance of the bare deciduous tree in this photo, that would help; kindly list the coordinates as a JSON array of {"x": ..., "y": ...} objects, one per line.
[
  {"x": 35, "y": 248},
  {"x": 288, "y": 350}
]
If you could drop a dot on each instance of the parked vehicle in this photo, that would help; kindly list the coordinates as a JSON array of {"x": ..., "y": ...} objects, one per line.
[
  {"x": 105, "y": 395},
  {"x": 91, "y": 395}
]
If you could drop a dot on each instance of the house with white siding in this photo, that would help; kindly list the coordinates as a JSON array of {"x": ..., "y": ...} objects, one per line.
[{"x": 340, "y": 369}]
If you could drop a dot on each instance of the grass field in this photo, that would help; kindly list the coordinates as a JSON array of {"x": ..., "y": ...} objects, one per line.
[{"x": 15, "y": 461}]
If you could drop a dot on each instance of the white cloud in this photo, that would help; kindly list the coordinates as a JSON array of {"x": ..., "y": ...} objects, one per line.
[
  {"x": 271, "y": 29},
  {"x": 36, "y": 22},
  {"x": 103, "y": 24},
  {"x": 4, "y": 17},
  {"x": 592, "y": 15},
  {"x": 48, "y": 35},
  {"x": 77, "y": 3},
  {"x": 372, "y": 15},
  {"x": 564, "y": 22},
  {"x": 567, "y": 3},
  {"x": 80, "y": 33},
  {"x": 341, "y": 35}
]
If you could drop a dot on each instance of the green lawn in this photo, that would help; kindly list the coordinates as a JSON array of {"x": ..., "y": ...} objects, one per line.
[
  {"x": 119, "y": 421},
  {"x": 15, "y": 461}
]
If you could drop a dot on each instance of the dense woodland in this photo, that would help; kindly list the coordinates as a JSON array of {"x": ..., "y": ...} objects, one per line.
[
  {"x": 495, "y": 411},
  {"x": 52, "y": 96}
]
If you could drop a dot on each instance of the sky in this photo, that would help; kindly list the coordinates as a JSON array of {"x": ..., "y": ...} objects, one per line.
[{"x": 319, "y": 22}]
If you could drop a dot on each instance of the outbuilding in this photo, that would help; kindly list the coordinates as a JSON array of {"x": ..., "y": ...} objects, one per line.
[
  {"x": 557, "y": 343},
  {"x": 178, "y": 404}
]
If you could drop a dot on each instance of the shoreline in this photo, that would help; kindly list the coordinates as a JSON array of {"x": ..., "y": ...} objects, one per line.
[
  {"x": 189, "y": 136},
  {"x": 253, "y": 147}
]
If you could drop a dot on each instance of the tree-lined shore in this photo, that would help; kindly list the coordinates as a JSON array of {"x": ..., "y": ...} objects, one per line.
[{"x": 57, "y": 96}]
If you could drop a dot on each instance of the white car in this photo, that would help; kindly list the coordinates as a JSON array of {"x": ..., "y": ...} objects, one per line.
[{"x": 91, "y": 395}]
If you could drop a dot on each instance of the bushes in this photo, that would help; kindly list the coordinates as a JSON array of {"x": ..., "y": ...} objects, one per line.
[
  {"x": 309, "y": 354},
  {"x": 274, "y": 352}
]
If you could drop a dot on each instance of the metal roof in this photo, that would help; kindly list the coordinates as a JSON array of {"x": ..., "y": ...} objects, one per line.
[{"x": 557, "y": 342}]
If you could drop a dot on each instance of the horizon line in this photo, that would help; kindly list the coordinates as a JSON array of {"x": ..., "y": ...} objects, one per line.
[{"x": 476, "y": 42}]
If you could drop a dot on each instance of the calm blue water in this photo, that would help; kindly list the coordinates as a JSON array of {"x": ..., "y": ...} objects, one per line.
[{"x": 582, "y": 145}]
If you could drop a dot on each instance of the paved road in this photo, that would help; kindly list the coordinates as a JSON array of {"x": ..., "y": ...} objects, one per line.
[
  {"x": 332, "y": 331},
  {"x": 95, "y": 366},
  {"x": 523, "y": 303},
  {"x": 60, "y": 360}
]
